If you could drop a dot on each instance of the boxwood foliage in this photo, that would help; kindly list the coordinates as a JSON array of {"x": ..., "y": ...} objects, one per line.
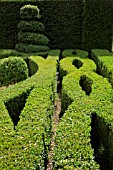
[
  {"x": 31, "y": 42},
  {"x": 32, "y": 38},
  {"x": 76, "y": 119},
  {"x": 83, "y": 92},
  {"x": 103, "y": 60},
  {"x": 27, "y": 147},
  {"x": 29, "y": 12},
  {"x": 73, "y": 60},
  {"x": 29, "y": 48},
  {"x": 74, "y": 52},
  {"x": 33, "y": 26},
  {"x": 4, "y": 53},
  {"x": 73, "y": 148},
  {"x": 97, "y": 25},
  {"x": 13, "y": 70},
  {"x": 100, "y": 88}
]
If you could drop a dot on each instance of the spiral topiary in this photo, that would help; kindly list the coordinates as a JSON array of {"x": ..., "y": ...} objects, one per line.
[
  {"x": 12, "y": 70},
  {"x": 30, "y": 36}
]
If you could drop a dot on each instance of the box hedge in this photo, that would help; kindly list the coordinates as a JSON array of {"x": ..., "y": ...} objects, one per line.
[
  {"x": 27, "y": 147},
  {"x": 103, "y": 60},
  {"x": 74, "y": 62},
  {"x": 77, "y": 105}
]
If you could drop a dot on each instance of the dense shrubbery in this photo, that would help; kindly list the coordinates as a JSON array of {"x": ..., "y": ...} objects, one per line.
[
  {"x": 103, "y": 60},
  {"x": 97, "y": 25},
  {"x": 29, "y": 48},
  {"x": 70, "y": 62},
  {"x": 84, "y": 94},
  {"x": 28, "y": 145},
  {"x": 33, "y": 26},
  {"x": 12, "y": 70},
  {"x": 32, "y": 38},
  {"x": 4, "y": 53}
]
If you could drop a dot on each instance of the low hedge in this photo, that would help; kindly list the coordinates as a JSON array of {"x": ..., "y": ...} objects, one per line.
[
  {"x": 74, "y": 52},
  {"x": 100, "y": 88},
  {"x": 4, "y": 53},
  {"x": 74, "y": 60},
  {"x": 84, "y": 93},
  {"x": 27, "y": 147},
  {"x": 102, "y": 134},
  {"x": 73, "y": 148},
  {"x": 31, "y": 26},
  {"x": 103, "y": 60}
]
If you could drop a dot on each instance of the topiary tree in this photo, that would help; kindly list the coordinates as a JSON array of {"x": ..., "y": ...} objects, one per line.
[
  {"x": 31, "y": 38},
  {"x": 12, "y": 70}
]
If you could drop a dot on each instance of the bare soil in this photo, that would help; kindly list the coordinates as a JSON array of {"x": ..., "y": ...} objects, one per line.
[{"x": 55, "y": 120}]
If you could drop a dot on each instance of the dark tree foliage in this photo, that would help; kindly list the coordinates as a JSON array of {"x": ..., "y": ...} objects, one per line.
[{"x": 97, "y": 25}]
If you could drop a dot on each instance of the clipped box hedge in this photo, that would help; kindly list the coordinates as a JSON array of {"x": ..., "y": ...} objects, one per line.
[
  {"x": 76, "y": 99},
  {"x": 27, "y": 146},
  {"x": 76, "y": 63},
  {"x": 4, "y": 53},
  {"x": 103, "y": 60},
  {"x": 74, "y": 52},
  {"x": 73, "y": 148}
]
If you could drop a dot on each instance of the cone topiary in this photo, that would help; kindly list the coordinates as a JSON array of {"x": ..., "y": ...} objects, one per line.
[{"x": 30, "y": 36}]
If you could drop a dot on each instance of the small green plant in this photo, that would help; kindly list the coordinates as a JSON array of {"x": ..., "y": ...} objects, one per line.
[{"x": 12, "y": 70}]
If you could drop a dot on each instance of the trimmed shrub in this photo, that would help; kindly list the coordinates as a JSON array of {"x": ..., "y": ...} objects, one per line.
[
  {"x": 12, "y": 70},
  {"x": 98, "y": 100},
  {"x": 31, "y": 42},
  {"x": 29, "y": 12},
  {"x": 27, "y": 147},
  {"x": 71, "y": 62},
  {"x": 103, "y": 60},
  {"x": 73, "y": 148},
  {"x": 73, "y": 53},
  {"x": 29, "y": 48},
  {"x": 4, "y": 53},
  {"x": 32, "y": 38},
  {"x": 33, "y": 26}
]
